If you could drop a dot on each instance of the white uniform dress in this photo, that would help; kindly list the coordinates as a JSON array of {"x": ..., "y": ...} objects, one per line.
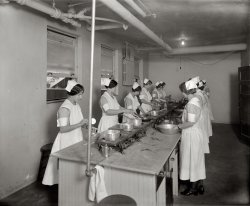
[
  {"x": 63, "y": 140},
  {"x": 203, "y": 120},
  {"x": 157, "y": 94},
  {"x": 130, "y": 103},
  {"x": 208, "y": 117},
  {"x": 108, "y": 121},
  {"x": 192, "y": 164},
  {"x": 146, "y": 96}
]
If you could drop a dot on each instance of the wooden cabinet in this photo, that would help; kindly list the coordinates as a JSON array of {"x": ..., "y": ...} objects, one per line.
[{"x": 244, "y": 100}]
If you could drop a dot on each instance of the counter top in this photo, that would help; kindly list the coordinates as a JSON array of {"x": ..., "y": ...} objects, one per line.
[{"x": 146, "y": 156}]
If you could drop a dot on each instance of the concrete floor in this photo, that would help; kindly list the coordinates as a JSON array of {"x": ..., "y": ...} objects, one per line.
[{"x": 227, "y": 183}]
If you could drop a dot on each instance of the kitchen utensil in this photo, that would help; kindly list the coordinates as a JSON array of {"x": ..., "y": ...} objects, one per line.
[
  {"x": 154, "y": 113},
  {"x": 167, "y": 128},
  {"x": 137, "y": 122},
  {"x": 127, "y": 127},
  {"x": 110, "y": 135}
]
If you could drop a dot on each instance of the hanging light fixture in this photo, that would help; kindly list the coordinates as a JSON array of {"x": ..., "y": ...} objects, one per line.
[{"x": 182, "y": 42}]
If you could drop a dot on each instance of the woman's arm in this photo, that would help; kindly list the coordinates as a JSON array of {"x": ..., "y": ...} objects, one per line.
[
  {"x": 146, "y": 102},
  {"x": 193, "y": 116},
  {"x": 63, "y": 118},
  {"x": 142, "y": 110}
]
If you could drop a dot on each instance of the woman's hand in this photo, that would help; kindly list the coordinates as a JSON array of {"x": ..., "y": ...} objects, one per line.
[
  {"x": 129, "y": 111},
  {"x": 83, "y": 122}
]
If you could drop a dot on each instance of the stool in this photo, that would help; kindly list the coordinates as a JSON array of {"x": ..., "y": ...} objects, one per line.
[
  {"x": 45, "y": 150},
  {"x": 117, "y": 200}
]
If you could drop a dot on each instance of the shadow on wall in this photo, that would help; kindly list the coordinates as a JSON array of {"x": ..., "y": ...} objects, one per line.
[
  {"x": 96, "y": 110},
  {"x": 52, "y": 128},
  {"x": 234, "y": 98}
]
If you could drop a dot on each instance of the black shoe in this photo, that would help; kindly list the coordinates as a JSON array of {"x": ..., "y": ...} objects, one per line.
[
  {"x": 188, "y": 192},
  {"x": 201, "y": 189}
]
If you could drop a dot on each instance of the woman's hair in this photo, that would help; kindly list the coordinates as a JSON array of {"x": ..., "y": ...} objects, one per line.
[
  {"x": 163, "y": 84},
  {"x": 183, "y": 89},
  {"x": 112, "y": 84},
  {"x": 78, "y": 88},
  {"x": 148, "y": 83},
  {"x": 159, "y": 86},
  {"x": 202, "y": 87},
  {"x": 138, "y": 89}
]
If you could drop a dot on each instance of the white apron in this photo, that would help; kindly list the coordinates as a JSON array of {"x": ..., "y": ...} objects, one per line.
[
  {"x": 192, "y": 161},
  {"x": 146, "y": 96},
  {"x": 134, "y": 106},
  {"x": 203, "y": 121},
  {"x": 108, "y": 121},
  {"x": 63, "y": 140},
  {"x": 208, "y": 117},
  {"x": 157, "y": 94}
]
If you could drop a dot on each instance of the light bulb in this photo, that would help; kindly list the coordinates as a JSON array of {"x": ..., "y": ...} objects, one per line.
[{"x": 182, "y": 42}]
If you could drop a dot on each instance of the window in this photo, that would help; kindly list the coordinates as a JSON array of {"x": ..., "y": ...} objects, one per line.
[
  {"x": 61, "y": 63},
  {"x": 107, "y": 64}
]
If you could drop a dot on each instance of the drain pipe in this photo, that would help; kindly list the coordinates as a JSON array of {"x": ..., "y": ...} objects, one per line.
[
  {"x": 53, "y": 12},
  {"x": 89, "y": 171},
  {"x": 125, "y": 14}
]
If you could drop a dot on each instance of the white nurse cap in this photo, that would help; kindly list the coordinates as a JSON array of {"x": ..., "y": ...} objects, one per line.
[
  {"x": 196, "y": 79},
  {"x": 135, "y": 85},
  {"x": 190, "y": 85},
  {"x": 107, "y": 82},
  {"x": 145, "y": 81},
  {"x": 70, "y": 85},
  {"x": 157, "y": 84}
]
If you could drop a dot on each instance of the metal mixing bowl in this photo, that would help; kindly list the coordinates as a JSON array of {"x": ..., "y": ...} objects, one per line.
[
  {"x": 167, "y": 128},
  {"x": 110, "y": 135}
]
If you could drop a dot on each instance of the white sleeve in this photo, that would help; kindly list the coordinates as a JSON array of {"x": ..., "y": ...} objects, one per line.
[
  {"x": 191, "y": 117},
  {"x": 105, "y": 107},
  {"x": 61, "y": 122}
]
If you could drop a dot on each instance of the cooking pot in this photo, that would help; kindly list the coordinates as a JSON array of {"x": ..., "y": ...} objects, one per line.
[
  {"x": 167, "y": 128},
  {"x": 110, "y": 135},
  {"x": 137, "y": 122},
  {"x": 127, "y": 127},
  {"x": 154, "y": 113}
]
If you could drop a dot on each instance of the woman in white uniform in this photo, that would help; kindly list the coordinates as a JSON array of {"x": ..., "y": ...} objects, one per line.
[
  {"x": 146, "y": 97},
  {"x": 207, "y": 108},
  {"x": 157, "y": 94},
  {"x": 131, "y": 102},
  {"x": 164, "y": 94},
  {"x": 110, "y": 107},
  {"x": 192, "y": 162},
  {"x": 69, "y": 120},
  {"x": 207, "y": 92},
  {"x": 204, "y": 115}
]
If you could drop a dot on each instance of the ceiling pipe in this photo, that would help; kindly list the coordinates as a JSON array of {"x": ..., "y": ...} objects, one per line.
[
  {"x": 53, "y": 12},
  {"x": 136, "y": 7},
  {"x": 125, "y": 14},
  {"x": 200, "y": 49},
  {"x": 209, "y": 49},
  {"x": 108, "y": 26},
  {"x": 81, "y": 16}
]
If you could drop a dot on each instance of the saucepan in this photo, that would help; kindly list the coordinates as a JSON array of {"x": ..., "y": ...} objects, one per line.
[
  {"x": 167, "y": 128},
  {"x": 110, "y": 135},
  {"x": 127, "y": 127},
  {"x": 137, "y": 122}
]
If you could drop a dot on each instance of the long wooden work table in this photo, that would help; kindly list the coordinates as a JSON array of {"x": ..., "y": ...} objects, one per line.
[{"x": 139, "y": 172}]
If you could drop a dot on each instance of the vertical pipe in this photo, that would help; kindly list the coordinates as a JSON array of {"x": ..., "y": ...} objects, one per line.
[{"x": 88, "y": 172}]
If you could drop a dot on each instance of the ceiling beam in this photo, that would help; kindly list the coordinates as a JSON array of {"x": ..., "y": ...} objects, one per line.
[{"x": 129, "y": 17}]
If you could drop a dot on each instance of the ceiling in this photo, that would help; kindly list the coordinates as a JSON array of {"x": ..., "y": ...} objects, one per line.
[{"x": 198, "y": 22}]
